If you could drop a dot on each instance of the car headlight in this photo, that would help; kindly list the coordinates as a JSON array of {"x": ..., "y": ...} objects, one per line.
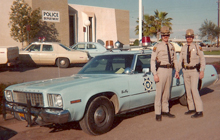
[
  {"x": 8, "y": 95},
  {"x": 55, "y": 100}
]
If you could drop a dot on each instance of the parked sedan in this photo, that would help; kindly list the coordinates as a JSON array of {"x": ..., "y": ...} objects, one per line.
[
  {"x": 52, "y": 53},
  {"x": 109, "y": 84},
  {"x": 92, "y": 48}
]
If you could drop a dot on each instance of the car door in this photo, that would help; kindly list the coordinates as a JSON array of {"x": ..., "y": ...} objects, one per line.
[
  {"x": 80, "y": 46},
  {"x": 93, "y": 50},
  {"x": 142, "y": 87},
  {"x": 48, "y": 54},
  {"x": 31, "y": 54}
]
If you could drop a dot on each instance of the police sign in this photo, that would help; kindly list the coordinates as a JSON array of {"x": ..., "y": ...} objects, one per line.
[{"x": 52, "y": 16}]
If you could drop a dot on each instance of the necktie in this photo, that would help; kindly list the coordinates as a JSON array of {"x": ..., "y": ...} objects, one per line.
[
  {"x": 188, "y": 55},
  {"x": 168, "y": 51}
]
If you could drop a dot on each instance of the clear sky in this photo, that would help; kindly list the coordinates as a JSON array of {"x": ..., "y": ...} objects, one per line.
[{"x": 185, "y": 13}]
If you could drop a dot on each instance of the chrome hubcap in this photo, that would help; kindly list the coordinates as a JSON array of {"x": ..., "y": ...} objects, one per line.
[
  {"x": 62, "y": 62},
  {"x": 101, "y": 116}
]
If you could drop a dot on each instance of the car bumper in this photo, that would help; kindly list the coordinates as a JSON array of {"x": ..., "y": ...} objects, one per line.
[
  {"x": 57, "y": 117},
  {"x": 40, "y": 115}
]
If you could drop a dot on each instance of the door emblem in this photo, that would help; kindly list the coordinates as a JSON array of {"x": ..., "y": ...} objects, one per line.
[{"x": 147, "y": 84}]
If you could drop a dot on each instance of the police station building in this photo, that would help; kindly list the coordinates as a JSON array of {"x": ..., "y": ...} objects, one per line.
[{"x": 73, "y": 23}]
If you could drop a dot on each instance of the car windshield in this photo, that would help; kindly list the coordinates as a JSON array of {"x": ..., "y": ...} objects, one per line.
[
  {"x": 68, "y": 49},
  {"x": 107, "y": 64}
]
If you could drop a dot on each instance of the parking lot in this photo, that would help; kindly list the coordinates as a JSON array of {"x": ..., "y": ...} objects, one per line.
[{"x": 25, "y": 73}]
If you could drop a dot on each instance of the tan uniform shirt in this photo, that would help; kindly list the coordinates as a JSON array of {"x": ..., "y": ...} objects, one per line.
[
  {"x": 160, "y": 54},
  {"x": 196, "y": 56}
]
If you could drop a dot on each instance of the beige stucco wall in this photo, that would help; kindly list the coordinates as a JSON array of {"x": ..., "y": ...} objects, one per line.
[
  {"x": 122, "y": 25},
  {"x": 49, "y": 5},
  {"x": 56, "y": 5},
  {"x": 5, "y": 38},
  {"x": 108, "y": 23}
]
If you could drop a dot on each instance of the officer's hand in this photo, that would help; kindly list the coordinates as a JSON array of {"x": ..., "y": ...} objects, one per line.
[
  {"x": 177, "y": 75},
  {"x": 201, "y": 74},
  {"x": 156, "y": 78}
]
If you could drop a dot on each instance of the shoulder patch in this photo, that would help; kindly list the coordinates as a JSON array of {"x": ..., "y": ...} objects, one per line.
[
  {"x": 200, "y": 48},
  {"x": 154, "y": 49}
]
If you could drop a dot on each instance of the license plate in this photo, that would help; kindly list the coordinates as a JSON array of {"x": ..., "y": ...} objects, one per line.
[{"x": 21, "y": 115}]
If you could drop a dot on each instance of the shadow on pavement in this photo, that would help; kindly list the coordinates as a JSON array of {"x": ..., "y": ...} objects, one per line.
[
  {"x": 63, "y": 127},
  {"x": 6, "y": 133},
  {"x": 18, "y": 68}
]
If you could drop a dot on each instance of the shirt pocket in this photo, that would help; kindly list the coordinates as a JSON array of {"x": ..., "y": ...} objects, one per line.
[{"x": 193, "y": 53}]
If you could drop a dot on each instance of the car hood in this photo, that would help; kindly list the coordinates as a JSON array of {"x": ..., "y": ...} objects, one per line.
[{"x": 59, "y": 84}]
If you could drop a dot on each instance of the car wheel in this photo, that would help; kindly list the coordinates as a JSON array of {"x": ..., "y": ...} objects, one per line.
[
  {"x": 63, "y": 62},
  {"x": 183, "y": 100},
  {"x": 99, "y": 116}
]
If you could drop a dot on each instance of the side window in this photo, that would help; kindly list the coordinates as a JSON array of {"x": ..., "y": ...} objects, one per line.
[
  {"x": 47, "y": 48},
  {"x": 91, "y": 46},
  {"x": 34, "y": 47},
  {"x": 81, "y": 46},
  {"x": 143, "y": 61}
]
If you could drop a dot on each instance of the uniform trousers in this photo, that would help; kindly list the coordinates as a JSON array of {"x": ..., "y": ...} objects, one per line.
[
  {"x": 191, "y": 78},
  {"x": 163, "y": 90}
]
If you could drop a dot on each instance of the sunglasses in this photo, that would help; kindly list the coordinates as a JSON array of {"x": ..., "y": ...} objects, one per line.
[
  {"x": 189, "y": 36},
  {"x": 165, "y": 35}
]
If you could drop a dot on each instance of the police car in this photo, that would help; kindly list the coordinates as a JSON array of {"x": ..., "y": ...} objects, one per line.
[{"x": 109, "y": 84}]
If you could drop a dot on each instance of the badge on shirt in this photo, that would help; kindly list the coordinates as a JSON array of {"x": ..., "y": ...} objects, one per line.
[{"x": 154, "y": 49}]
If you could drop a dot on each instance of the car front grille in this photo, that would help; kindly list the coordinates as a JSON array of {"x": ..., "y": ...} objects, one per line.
[{"x": 22, "y": 97}]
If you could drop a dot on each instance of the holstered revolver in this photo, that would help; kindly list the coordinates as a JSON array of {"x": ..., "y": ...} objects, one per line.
[
  {"x": 198, "y": 67},
  {"x": 157, "y": 65}
]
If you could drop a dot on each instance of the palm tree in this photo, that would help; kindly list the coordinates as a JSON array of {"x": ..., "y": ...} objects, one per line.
[
  {"x": 152, "y": 24},
  {"x": 209, "y": 30},
  {"x": 161, "y": 20},
  {"x": 147, "y": 26}
]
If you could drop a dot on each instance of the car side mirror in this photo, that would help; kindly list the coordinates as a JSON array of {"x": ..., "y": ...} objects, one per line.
[
  {"x": 128, "y": 70},
  {"x": 145, "y": 70}
]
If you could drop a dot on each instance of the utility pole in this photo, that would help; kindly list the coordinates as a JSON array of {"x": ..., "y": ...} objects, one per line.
[
  {"x": 140, "y": 19},
  {"x": 218, "y": 24}
]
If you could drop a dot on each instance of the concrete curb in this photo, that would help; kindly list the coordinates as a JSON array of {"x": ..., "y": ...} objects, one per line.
[{"x": 212, "y": 56}]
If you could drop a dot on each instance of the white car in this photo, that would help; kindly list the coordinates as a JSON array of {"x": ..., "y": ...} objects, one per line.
[
  {"x": 92, "y": 48},
  {"x": 52, "y": 53}
]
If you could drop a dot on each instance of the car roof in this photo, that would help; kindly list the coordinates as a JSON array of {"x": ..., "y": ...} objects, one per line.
[
  {"x": 127, "y": 52},
  {"x": 45, "y": 43}
]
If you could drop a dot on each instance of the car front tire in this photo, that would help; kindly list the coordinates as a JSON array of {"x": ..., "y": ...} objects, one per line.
[
  {"x": 99, "y": 116},
  {"x": 63, "y": 62},
  {"x": 183, "y": 100}
]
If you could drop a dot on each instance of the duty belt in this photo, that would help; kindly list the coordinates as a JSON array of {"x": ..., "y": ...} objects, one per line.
[
  {"x": 166, "y": 66},
  {"x": 189, "y": 67}
]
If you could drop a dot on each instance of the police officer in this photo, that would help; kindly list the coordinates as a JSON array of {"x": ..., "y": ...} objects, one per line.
[
  {"x": 163, "y": 59},
  {"x": 192, "y": 62}
]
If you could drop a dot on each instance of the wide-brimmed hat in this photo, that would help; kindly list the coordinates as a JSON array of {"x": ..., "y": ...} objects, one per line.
[
  {"x": 189, "y": 32},
  {"x": 165, "y": 30}
]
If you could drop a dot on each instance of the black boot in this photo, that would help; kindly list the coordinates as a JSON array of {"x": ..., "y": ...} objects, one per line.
[
  {"x": 167, "y": 114},
  {"x": 190, "y": 112},
  {"x": 197, "y": 115},
  {"x": 158, "y": 117}
]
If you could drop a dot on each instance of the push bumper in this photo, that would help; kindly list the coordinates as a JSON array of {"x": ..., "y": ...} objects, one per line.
[{"x": 41, "y": 116}]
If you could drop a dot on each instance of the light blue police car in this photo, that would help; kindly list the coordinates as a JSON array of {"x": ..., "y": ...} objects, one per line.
[{"x": 109, "y": 84}]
